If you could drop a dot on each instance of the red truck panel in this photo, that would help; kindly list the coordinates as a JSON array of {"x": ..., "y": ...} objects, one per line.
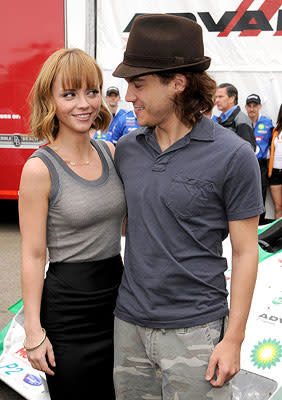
[{"x": 30, "y": 31}]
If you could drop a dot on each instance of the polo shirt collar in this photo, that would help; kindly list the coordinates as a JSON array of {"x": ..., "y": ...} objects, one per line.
[{"x": 203, "y": 130}]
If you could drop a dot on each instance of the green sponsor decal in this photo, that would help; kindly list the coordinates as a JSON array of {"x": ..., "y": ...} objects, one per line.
[
  {"x": 261, "y": 126},
  {"x": 266, "y": 353},
  {"x": 277, "y": 300},
  {"x": 15, "y": 308}
]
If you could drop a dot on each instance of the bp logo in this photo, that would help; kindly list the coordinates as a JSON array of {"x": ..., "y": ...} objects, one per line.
[
  {"x": 261, "y": 126},
  {"x": 266, "y": 353},
  {"x": 277, "y": 300}
]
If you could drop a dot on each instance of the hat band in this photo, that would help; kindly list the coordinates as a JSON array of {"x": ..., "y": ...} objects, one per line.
[{"x": 159, "y": 62}]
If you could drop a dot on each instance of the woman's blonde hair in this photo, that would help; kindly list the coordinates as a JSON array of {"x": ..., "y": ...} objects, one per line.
[{"x": 76, "y": 67}]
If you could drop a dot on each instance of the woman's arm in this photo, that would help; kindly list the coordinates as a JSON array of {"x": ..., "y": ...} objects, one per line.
[
  {"x": 111, "y": 147},
  {"x": 33, "y": 208},
  {"x": 123, "y": 229}
]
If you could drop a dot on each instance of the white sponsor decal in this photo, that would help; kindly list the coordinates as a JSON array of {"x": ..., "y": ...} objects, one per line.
[{"x": 10, "y": 116}]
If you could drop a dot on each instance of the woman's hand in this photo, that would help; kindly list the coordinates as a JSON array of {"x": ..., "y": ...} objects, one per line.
[{"x": 38, "y": 357}]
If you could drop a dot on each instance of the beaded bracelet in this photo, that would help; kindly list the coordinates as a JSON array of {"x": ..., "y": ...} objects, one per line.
[{"x": 39, "y": 344}]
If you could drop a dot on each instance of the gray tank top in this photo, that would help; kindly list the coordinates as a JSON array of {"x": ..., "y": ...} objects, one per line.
[{"x": 84, "y": 217}]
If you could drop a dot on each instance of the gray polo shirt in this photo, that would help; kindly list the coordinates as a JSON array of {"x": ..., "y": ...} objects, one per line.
[{"x": 179, "y": 204}]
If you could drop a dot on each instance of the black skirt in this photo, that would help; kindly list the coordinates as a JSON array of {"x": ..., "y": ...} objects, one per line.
[{"x": 77, "y": 307}]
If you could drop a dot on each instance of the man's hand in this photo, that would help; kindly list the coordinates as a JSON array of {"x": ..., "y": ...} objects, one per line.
[{"x": 224, "y": 362}]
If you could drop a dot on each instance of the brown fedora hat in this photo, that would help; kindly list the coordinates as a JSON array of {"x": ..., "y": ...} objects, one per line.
[{"x": 163, "y": 42}]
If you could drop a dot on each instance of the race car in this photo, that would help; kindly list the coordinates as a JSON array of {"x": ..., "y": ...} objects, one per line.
[{"x": 260, "y": 377}]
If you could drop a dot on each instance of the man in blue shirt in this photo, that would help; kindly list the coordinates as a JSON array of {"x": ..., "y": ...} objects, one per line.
[
  {"x": 231, "y": 117},
  {"x": 112, "y": 100},
  {"x": 263, "y": 127},
  {"x": 125, "y": 124}
]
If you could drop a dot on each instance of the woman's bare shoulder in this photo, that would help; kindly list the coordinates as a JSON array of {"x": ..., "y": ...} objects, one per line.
[
  {"x": 35, "y": 175},
  {"x": 111, "y": 147}
]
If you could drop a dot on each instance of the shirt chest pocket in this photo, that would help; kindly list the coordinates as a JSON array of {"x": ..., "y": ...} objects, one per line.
[{"x": 188, "y": 197}]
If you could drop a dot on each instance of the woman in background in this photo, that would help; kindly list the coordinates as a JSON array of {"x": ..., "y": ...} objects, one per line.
[
  {"x": 72, "y": 203},
  {"x": 275, "y": 166}
]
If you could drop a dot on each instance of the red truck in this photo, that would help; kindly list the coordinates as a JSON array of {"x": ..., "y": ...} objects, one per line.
[{"x": 30, "y": 31}]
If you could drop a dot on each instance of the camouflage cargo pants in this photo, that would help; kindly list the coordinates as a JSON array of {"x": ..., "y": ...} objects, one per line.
[{"x": 165, "y": 364}]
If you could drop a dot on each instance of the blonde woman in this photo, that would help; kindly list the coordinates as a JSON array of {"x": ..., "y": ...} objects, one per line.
[{"x": 71, "y": 203}]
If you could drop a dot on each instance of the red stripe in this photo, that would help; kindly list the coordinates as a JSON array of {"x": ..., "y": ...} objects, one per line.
[
  {"x": 240, "y": 12},
  {"x": 269, "y": 8},
  {"x": 9, "y": 194}
]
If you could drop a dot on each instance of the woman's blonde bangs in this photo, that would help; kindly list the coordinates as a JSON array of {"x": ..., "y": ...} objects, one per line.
[{"x": 78, "y": 68}]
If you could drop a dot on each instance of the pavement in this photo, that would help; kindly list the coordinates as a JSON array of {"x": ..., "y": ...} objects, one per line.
[
  {"x": 10, "y": 258},
  {"x": 8, "y": 394},
  {"x": 10, "y": 288}
]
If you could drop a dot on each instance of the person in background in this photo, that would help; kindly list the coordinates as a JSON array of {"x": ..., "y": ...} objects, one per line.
[
  {"x": 188, "y": 182},
  {"x": 71, "y": 202},
  {"x": 126, "y": 123},
  {"x": 231, "y": 117},
  {"x": 263, "y": 127},
  {"x": 275, "y": 166},
  {"x": 112, "y": 99}
]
